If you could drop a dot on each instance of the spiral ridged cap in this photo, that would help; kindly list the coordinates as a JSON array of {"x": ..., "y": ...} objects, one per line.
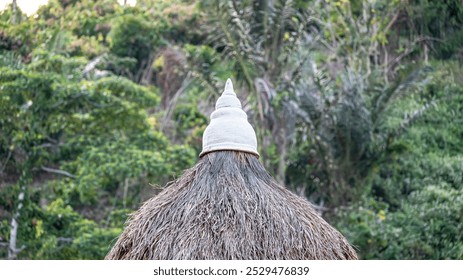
[{"x": 229, "y": 128}]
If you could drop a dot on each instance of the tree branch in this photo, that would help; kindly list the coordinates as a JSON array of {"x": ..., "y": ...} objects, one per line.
[
  {"x": 57, "y": 171},
  {"x": 6, "y": 161},
  {"x": 64, "y": 239}
]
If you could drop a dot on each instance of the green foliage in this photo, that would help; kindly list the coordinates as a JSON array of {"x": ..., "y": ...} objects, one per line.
[
  {"x": 174, "y": 19},
  {"x": 124, "y": 42},
  {"x": 80, "y": 141},
  {"x": 428, "y": 226},
  {"x": 18, "y": 37},
  {"x": 415, "y": 206},
  {"x": 106, "y": 167},
  {"x": 192, "y": 124},
  {"x": 440, "y": 20},
  {"x": 82, "y": 17},
  {"x": 122, "y": 88},
  {"x": 58, "y": 232},
  {"x": 207, "y": 68}
]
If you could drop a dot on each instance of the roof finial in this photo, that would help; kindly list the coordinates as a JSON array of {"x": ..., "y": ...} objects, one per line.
[{"x": 229, "y": 128}]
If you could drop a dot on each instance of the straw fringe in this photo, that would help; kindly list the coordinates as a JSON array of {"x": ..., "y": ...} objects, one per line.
[{"x": 228, "y": 207}]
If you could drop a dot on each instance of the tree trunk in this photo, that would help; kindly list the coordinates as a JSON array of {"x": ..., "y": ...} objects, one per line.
[
  {"x": 282, "y": 148},
  {"x": 12, "y": 250},
  {"x": 14, "y": 8}
]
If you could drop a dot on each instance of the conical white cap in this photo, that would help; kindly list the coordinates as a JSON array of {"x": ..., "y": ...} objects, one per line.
[{"x": 229, "y": 128}]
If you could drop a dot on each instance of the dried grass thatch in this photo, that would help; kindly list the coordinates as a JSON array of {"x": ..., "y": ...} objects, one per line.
[{"x": 228, "y": 207}]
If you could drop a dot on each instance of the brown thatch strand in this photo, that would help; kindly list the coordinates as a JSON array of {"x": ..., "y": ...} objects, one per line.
[{"x": 228, "y": 207}]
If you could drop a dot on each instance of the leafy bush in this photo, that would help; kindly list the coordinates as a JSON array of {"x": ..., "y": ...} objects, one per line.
[
  {"x": 428, "y": 225},
  {"x": 134, "y": 37},
  {"x": 71, "y": 143},
  {"x": 414, "y": 208}
]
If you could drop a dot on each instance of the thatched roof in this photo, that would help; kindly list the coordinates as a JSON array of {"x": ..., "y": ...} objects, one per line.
[{"x": 228, "y": 207}]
